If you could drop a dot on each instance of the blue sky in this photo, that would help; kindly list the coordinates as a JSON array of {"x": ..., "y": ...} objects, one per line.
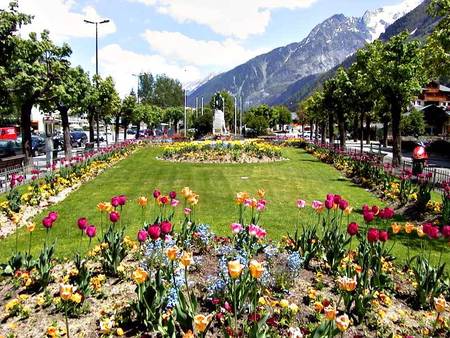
[{"x": 187, "y": 39}]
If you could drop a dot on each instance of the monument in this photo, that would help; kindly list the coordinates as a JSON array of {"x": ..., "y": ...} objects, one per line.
[{"x": 219, "y": 127}]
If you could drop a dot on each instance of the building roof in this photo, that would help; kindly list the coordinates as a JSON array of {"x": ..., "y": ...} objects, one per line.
[{"x": 444, "y": 89}]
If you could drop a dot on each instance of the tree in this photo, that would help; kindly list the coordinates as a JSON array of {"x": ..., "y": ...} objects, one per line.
[
  {"x": 168, "y": 92},
  {"x": 173, "y": 115},
  {"x": 397, "y": 69},
  {"x": 68, "y": 94},
  {"x": 146, "y": 90},
  {"x": 127, "y": 113},
  {"x": 413, "y": 124},
  {"x": 257, "y": 124},
  {"x": 107, "y": 102},
  {"x": 283, "y": 115},
  {"x": 32, "y": 77},
  {"x": 203, "y": 124}
]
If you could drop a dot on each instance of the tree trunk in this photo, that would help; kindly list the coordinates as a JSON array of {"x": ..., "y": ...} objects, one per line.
[
  {"x": 355, "y": 128},
  {"x": 361, "y": 126},
  {"x": 317, "y": 130},
  {"x": 311, "y": 130},
  {"x": 323, "y": 130},
  {"x": 98, "y": 130},
  {"x": 91, "y": 126},
  {"x": 396, "y": 113},
  {"x": 368, "y": 121},
  {"x": 63, "y": 111},
  {"x": 330, "y": 128},
  {"x": 116, "y": 131},
  {"x": 25, "y": 116},
  {"x": 124, "y": 133},
  {"x": 341, "y": 124},
  {"x": 385, "y": 131},
  {"x": 106, "y": 132}
]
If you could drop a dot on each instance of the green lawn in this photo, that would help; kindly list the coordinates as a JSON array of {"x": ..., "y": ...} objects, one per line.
[{"x": 302, "y": 176}]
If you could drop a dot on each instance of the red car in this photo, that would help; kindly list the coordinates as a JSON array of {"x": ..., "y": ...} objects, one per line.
[{"x": 8, "y": 133}]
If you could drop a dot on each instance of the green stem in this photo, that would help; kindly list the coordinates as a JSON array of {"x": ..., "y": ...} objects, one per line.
[
  {"x": 235, "y": 308},
  {"x": 29, "y": 244},
  {"x": 67, "y": 321}
]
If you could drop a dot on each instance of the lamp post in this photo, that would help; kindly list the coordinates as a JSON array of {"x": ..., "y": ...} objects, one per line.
[
  {"x": 235, "y": 116},
  {"x": 96, "y": 23}
]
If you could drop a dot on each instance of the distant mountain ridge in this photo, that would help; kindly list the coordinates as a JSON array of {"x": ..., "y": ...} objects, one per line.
[{"x": 279, "y": 75}]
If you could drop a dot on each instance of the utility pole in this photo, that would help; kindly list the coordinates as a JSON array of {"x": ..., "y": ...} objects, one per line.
[
  {"x": 235, "y": 116},
  {"x": 96, "y": 23},
  {"x": 202, "y": 105}
]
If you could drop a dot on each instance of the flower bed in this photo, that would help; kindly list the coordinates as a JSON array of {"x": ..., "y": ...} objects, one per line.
[
  {"x": 330, "y": 277},
  {"x": 53, "y": 185},
  {"x": 222, "y": 152}
]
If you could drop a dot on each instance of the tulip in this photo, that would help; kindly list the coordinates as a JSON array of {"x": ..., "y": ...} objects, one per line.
[
  {"x": 388, "y": 213},
  {"x": 187, "y": 211},
  {"x": 186, "y": 259},
  {"x": 409, "y": 227},
  {"x": 440, "y": 304},
  {"x": 317, "y": 206},
  {"x": 122, "y": 200},
  {"x": 261, "y": 193},
  {"x": 82, "y": 223},
  {"x": 396, "y": 228},
  {"x": 142, "y": 201},
  {"x": 166, "y": 227},
  {"x": 174, "y": 202},
  {"x": 201, "y": 322},
  {"x": 330, "y": 312},
  {"x": 53, "y": 215},
  {"x": 115, "y": 201},
  {"x": 433, "y": 232},
  {"x": 365, "y": 208},
  {"x": 171, "y": 253},
  {"x": 236, "y": 228},
  {"x": 140, "y": 276},
  {"x": 172, "y": 195},
  {"x": 256, "y": 269},
  {"x": 234, "y": 269},
  {"x": 368, "y": 216},
  {"x": 383, "y": 235},
  {"x": 352, "y": 228},
  {"x": 427, "y": 227},
  {"x": 343, "y": 204},
  {"x": 375, "y": 210},
  {"x": 186, "y": 192},
  {"x": 65, "y": 291},
  {"x": 156, "y": 193},
  {"x": 154, "y": 231},
  {"x": 31, "y": 226},
  {"x": 91, "y": 231},
  {"x": 348, "y": 211},
  {"x": 318, "y": 307},
  {"x": 347, "y": 284},
  {"x": 342, "y": 323},
  {"x": 47, "y": 222},
  {"x": 142, "y": 235},
  {"x": 301, "y": 203},
  {"x": 372, "y": 235},
  {"x": 114, "y": 216},
  {"x": 446, "y": 231},
  {"x": 163, "y": 200},
  {"x": 337, "y": 199},
  {"x": 330, "y": 197}
]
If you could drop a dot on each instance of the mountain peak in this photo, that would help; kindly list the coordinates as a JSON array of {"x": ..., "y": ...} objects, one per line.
[{"x": 379, "y": 19}]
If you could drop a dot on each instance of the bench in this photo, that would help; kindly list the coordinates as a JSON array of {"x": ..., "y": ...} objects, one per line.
[{"x": 12, "y": 161}]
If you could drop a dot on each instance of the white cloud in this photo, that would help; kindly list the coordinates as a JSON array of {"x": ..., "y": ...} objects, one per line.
[
  {"x": 60, "y": 18},
  {"x": 238, "y": 18},
  {"x": 180, "y": 47},
  {"x": 121, "y": 64}
]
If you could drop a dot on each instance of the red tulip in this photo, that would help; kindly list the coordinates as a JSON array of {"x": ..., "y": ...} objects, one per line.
[
  {"x": 337, "y": 199},
  {"x": 434, "y": 233},
  {"x": 82, "y": 223},
  {"x": 365, "y": 208},
  {"x": 172, "y": 195},
  {"x": 164, "y": 200},
  {"x": 228, "y": 307},
  {"x": 368, "y": 216},
  {"x": 372, "y": 235},
  {"x": 383, "y": 235},
  {"x": 343, "y": 204},
  {"x": 47, "y": 222},
  {"x": 329, "y": 204},
  {"x": 122, "y": 200},
  {"x": 166, "y": 227},
  {"x": 114, "y": 216},
  {"x": 53, "y": 215},
  {"x": 330, "y": 196},
  {"x": 352, "y": 229},
  {"x": 446, "y": 231},
  {"x": 115, "y": 201},
  {"x": 427, "y": 227},
  {"x": 156, "y": 193},
  {"x": 375, "y": 210},
  {"x": 154, "y": 231},
  {"x": 142, "y": 235},
  {"x": 388, "y": 213},
  {"x": 91, "y": 231}
]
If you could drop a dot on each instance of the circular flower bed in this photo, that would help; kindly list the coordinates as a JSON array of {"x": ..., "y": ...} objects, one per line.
[{"x": 222, "y": 152}]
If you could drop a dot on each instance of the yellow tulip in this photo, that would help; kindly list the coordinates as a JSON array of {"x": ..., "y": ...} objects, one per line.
[
  {"x": 186, "y": 259},
  {"x": 396, "y": 228},
  {"x": 409, "y": 227},
  {"x": 186, "y": 192},
  {"x": 76, "y": 298},
  {"x": 31, "y": 226},
  {"x": 261, "y": 193},
  {"x": 440, "y": 304},
  {"x": 256, "y": 269},
  {"x": 342, "y": 322},
  {"x": 234, "y": 269},
  {"x": 201, "y": 322},
  {"x": 140, "y": 276},
  {"x": 171, "y": 253},
  {"x": 347, "y": 284},
  {"x": 348, "y": 211},
  {"x": 65, "y": 291},
  {"x": 318, "y": 307}
]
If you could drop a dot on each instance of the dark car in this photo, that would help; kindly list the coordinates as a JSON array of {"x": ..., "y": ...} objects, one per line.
[
  {"x": 37, "y": 145},
  {"x": 10, "y": 148},
  {"x": 79, "y": 138}
]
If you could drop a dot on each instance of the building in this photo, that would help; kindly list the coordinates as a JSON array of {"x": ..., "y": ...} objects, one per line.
[{"x": 434, "y": 101}]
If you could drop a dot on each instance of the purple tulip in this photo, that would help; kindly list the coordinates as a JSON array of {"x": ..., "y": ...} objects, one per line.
[
  {"x": 47, "y": 222},
  {"x": 53, "y": 215},
  {"x": 82, "y": 223},
  {"x": 172, "y": 195},
  {"x": 114, "y": 216},
  {"x": 122, "y": 200},
  {"x": 91, "y": 231},
  {"x": 115, "y": 201},
  {"x": 142, "y": 235}
]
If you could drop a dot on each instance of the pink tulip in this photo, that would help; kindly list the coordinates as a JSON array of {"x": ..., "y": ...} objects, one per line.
[
  {"x": 53, "y": 215},
  {"x": 47, "y": 222},
  {"x": 82, "y": 223},
  {"x": 301, "y": 203},
  {"x": 252, "y": 230},
  {"x": 446, "y": 231},
  {"x": 154, "y": 231},
  {"x": 174, "y": 202},
  {"x": 115, "y": 201},
  {"x": 330, "y": 197},
  {"x": 187, "y": 211},
  {"x": 261, "y": 233},
  {"x": 166, "y": 227},
  {"x": 343, "y": 204},
  {"x": 172, "y": 195},
  {"x": 352, "y": 229},
  {"x": 156, "y": 193},
  {"x": 316, "y": 205},
  {"x": 337, "y": 199},
  {"x": 368, "y": 216},
  {"x": 236, "y": 228},
  {"x": 329, "y": 204},
  {"x": 142, "y": 235},
  {"x": 260, "y": 206},
  {"x": 91, "y": 231},
  {"x": 427, "y": 227},
  {"x": 372, "y": 235},
  {"x": 433, "y": 233},
  {"x": 122, "y": 200},
  {"x": 114, "y": 216},
  {"x": 375, "y": 210},
  {"x": 383, "y": 235}
]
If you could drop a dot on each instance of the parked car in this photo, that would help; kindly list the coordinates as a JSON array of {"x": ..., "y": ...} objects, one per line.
[
  {"x": 102, "y": 138},
  {"x": 37, "y": 145},
  {"x": 8, "y": 133},
  {"x": 131, "y": 132},
  {"x": 79, "y": 138},
  {"x": 10, "y": 148}
]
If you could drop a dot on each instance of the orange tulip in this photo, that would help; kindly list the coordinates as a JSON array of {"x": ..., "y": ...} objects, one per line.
[
  {"x": 172, "y": 253},
  {"x": 234, "y": 269},
  {"x": 65, "y": 291},
  {"x": 140, "y": 276},
  {"x": 186, "y": 259},
  {"x": 142, "y": 201},
  {"x": 256, "y": 269}
]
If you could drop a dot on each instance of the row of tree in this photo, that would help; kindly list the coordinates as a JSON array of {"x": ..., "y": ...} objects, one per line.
[
  {"x": 34, "y": 71},
  {"x": 380, "y": 84}
]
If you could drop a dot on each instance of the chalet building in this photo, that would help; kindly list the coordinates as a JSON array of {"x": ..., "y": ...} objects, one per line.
[{"x": 434, "y": 101}]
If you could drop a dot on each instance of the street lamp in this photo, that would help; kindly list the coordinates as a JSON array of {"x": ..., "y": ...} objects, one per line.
[{"x": 96, "y": 23}]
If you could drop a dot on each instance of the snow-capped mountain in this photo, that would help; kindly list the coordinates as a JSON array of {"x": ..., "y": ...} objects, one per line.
[
  {"x": 193, "y": 85},
  {"x": 269, "y": 77},
  {"x": 379, "y": 19}
]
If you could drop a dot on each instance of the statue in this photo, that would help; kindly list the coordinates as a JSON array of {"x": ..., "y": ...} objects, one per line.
[{"x": 219, "y": 127}]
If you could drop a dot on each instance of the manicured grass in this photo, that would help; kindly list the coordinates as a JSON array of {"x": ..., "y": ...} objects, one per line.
[{"x": 302, "y": 176}]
